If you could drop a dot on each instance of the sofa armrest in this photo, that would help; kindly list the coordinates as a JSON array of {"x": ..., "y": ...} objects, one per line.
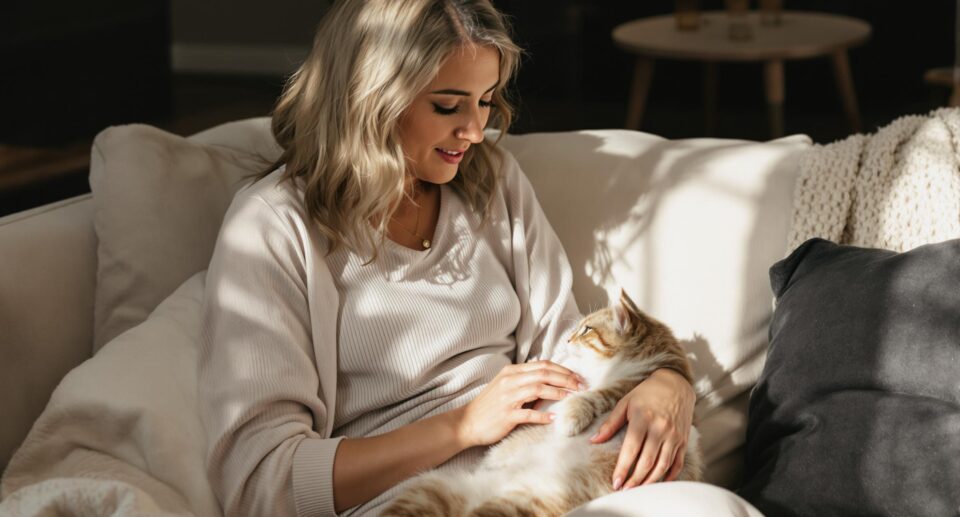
[{"x": 47, "y": 277}]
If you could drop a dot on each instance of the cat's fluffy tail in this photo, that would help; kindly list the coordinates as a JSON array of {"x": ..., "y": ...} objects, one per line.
[{"x": 430, "y": 495}]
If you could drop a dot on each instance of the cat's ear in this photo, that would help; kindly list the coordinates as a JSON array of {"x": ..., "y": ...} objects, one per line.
[
  {"x": 628, "y": 303},
  {"x": 627, "y": 313},
  {"x": 624, "y": 323}
]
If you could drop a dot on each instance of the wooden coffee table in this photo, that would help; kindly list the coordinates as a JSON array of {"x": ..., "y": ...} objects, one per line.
[{"x": 801, "y": 35}]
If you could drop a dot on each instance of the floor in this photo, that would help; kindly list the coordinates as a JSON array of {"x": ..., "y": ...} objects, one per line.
[{"x": 33, "y": 177}]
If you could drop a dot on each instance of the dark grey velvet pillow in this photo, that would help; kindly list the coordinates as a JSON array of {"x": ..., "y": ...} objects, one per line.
[{"x": 857, "y": 411}]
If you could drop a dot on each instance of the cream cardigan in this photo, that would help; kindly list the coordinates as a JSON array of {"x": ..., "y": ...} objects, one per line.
[{"x": 269, "y": 360}]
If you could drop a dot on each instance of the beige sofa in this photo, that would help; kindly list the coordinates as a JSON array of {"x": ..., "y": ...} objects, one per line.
[{"x": 688, "y": 227}]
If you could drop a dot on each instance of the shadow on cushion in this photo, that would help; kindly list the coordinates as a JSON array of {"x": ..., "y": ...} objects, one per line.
[{"x": 857, "y": 411}]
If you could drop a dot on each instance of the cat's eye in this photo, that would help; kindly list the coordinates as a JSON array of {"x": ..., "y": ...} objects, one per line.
[{"x": 585, "y": 330}]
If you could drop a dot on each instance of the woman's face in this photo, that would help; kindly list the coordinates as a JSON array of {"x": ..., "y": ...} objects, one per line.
[{"x": 449, "y": 115}]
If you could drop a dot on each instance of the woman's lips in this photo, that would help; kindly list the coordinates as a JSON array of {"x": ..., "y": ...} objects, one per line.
[{"x": 448, "y": 156}]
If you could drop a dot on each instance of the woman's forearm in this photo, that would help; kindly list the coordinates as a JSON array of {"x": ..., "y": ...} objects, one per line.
[{"x": 363, "y": 468}]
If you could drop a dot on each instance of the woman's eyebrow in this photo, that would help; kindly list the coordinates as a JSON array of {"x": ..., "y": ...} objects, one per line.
[{"x": 458, "y": 92}]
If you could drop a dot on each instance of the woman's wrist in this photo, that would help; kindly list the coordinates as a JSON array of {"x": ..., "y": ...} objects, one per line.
[
  {"x": 675, "y": 377},
  {"x": 456, "y": 419},
  {"x": 670, "y": 372},
  {"x": 366, "y": 467}
]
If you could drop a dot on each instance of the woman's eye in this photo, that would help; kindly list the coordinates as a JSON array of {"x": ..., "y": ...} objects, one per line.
[{"x": 444, "y": 110}]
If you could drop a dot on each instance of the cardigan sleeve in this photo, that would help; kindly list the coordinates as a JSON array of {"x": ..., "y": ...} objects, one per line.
[
  {"x": 542, "y": 275},
  {"x": 258, "y": 377}
]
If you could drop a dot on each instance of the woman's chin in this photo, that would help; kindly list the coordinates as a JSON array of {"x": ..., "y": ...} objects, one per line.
[{"x": 439, "y": 176}]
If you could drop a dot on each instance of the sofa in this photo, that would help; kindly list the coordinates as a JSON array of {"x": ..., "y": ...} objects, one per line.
[{"x": 688, "y": 228}]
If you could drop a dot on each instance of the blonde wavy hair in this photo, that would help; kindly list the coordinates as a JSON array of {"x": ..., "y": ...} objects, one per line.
[{"x": 337, "y": 118}]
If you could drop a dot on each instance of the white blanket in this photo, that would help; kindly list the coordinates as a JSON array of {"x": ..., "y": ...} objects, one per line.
[
  {"x": 121, "y": 434},
  {"x": 896, "y": 189}
]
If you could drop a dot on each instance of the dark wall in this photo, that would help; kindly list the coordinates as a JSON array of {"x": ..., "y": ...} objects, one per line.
[
  {"x": 572, "y": 57},
  {"x": 72, "y": 68}
]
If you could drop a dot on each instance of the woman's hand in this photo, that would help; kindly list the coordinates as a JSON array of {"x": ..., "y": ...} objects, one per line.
[
  {"x": 499, "y": 407},
  {"x": 659, "y": 413}
]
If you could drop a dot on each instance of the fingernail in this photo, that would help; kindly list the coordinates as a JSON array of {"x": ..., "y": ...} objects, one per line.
[
  {"x": 582, "y": 386},
  {"x": 595, "y": 436},
  {"x": 552, "y": 416},
  {"x": 616, "y": 483}
]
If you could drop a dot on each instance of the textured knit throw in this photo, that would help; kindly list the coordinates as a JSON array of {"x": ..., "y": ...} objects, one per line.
[{"x": 896, "y": 189}]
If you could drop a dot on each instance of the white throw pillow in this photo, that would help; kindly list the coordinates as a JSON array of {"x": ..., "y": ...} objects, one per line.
[
  {"x": 159, "y": 200},
  {"x": 688, "y": 227}
]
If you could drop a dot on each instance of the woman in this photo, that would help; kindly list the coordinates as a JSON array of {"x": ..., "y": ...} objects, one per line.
[{"x": 386, "y": 298}]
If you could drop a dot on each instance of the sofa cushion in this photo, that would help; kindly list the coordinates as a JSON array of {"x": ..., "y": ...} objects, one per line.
[
  {"x": 688, "y": 227},
  {"x": 159, "y": 200},
  {"x": 858, "y": 406}
]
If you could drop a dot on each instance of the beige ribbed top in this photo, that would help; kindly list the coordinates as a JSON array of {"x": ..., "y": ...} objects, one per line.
[{"x": 301, "y": 349}]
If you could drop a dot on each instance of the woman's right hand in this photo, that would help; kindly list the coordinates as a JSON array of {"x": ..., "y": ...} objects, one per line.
[{"x": 499, "y": 407}]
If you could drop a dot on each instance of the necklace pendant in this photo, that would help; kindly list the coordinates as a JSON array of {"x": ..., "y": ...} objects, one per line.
[{"x": 426, "y": 244}]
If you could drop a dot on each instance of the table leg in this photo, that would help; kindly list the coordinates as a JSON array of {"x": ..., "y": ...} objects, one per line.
[
  {"x": 841, "y": 67},
  {"x": 773, "y": 84},
  {"x": 642, "y": 75},
  {"x": 709, "y": 98}
]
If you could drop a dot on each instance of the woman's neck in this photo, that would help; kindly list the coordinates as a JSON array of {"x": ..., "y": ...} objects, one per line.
[
  {"x": 415, "y": 219},
  {"x": 415, "y": 192}
]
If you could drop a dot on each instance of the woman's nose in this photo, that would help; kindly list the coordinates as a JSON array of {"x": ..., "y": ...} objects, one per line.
[{"x": 473, "y": 129}]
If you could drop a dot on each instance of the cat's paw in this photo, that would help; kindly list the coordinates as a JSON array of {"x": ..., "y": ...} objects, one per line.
[{"x": 574, "y": 415}]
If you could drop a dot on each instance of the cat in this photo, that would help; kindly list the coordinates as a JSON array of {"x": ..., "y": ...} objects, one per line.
[{"x": 551, "y": 469}]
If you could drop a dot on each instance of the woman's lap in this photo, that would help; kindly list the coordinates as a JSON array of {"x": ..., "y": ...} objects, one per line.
[{"x": 675, "y": 498}]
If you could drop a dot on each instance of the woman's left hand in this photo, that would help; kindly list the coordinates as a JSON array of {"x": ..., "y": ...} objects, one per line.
[{"x": 659, "y": 414}]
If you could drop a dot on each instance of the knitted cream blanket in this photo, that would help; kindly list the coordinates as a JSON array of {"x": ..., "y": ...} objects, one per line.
[{"x": 896, "y": 189}]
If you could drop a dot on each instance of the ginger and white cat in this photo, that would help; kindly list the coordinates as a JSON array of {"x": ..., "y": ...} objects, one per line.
[{"x": 551, "y": 469}]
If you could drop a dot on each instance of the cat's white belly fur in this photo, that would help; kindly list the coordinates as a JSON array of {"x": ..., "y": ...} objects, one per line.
[
  {"x": 535, "y": 462},
  {"x": 542, "y": 468},
  {"x": 541, "y": 465}
]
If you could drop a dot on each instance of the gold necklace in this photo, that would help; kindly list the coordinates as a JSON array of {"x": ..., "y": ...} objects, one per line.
[{"x": 425, "y": 242}]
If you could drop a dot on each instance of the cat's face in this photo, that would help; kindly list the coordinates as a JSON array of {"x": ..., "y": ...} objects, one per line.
[{"x": 620, "y": 329}]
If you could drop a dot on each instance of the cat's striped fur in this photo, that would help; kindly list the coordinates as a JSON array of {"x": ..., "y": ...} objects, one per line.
[{"x": 546, "y": 470}]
